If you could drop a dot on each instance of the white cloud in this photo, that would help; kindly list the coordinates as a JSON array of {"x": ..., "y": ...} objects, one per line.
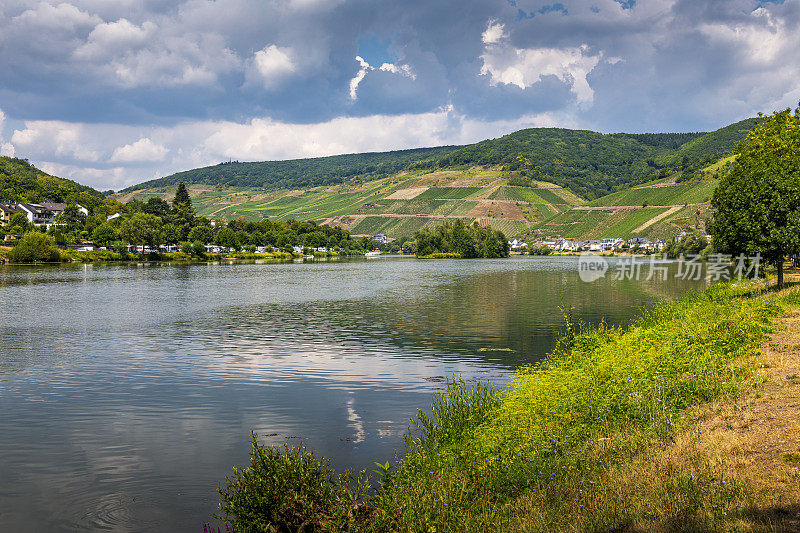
[
  {"x": 274, "y": 63},
  {"x": 494, "y": 33},
  {"x": 60, "y": 139},
  {"x": 404, "y": 70},
  {"x": 142, "y": 150},
  {"x": 401, "y": 69},
  {"x": 524, "y": 67},
  {"x": 113, "y": 38},
  {"x": 116, "y": 156},
  {"x": 6, "y": 148},
  {"x": 365, "y": 67},
  {"x": 64, "y": 17}
]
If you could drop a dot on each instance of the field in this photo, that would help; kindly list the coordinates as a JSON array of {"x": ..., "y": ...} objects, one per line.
[
  {"x": 400, "y": 204},
  {"x": 678, "y": 194},
  {"x": 397, "y": 205}
]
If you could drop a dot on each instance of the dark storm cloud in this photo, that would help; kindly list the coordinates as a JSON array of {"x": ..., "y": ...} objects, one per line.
[{"x": 241, "y": 70}]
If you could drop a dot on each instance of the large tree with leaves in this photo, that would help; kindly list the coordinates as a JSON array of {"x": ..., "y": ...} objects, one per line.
[{"x": 757, "y": 205}]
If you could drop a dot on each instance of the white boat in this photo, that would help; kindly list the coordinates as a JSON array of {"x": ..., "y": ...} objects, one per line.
[{"x": 374, "y": 253}]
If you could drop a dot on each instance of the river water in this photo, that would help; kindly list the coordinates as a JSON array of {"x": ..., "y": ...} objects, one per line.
[{"x": 127, "y": 392}]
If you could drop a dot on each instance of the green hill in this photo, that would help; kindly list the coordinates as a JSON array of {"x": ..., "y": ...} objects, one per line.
[
  {"x": 299, "y": 173},
  {"x": 530, "y": 181},
  {"x": 588, "y": 163},
  {"x": 707, "y": 147},
  {"x": 397, "y": 205},
  {"x": 22, "y": 182},
  {"x": 658, "y": 209}
]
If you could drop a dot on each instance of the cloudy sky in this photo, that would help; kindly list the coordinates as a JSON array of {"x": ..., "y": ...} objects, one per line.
[{"x": 114, "y": 93}]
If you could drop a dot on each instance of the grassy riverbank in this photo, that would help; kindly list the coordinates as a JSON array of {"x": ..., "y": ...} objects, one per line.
[{"x": 605, "y": 434}]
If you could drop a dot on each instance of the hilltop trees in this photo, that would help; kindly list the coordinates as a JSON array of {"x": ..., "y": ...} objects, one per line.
[{"x": 757, "y": 205}]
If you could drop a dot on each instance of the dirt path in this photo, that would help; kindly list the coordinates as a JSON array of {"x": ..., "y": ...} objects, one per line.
[
  {"x": 656, "y": 218},
  {"x": 757, "y": 438}
]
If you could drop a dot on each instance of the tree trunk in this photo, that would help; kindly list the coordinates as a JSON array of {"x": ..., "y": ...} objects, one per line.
[{"x": 780, "y": 273}]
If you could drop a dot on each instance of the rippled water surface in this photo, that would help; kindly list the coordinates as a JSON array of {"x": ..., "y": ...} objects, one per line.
[{"x": 127, "y": 392}]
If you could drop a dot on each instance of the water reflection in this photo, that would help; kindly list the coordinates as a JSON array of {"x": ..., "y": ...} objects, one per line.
[{"x": 128, "y": 391}]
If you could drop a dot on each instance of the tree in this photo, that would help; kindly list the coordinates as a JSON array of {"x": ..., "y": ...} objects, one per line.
[
  {"x": 170, "y": 234},
  {"x": 181, "y": 196},
  {"x": 19, "y": 220},
  {"x": 204, "y": 234},
  {"x": 157, "y": 206},
  {"x": 141, "y": 228},
  {"x": 72, "y": 218},
  {"x": 34, "y": 247},
  {"x": 182, "y": 214},
  {"x": 757, "y": 205},
  {"x": 104, "y": 234}
]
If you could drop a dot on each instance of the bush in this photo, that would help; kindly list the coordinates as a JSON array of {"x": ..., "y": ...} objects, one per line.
[
  {"x": 289, "y": 489},
  {"x": 34, "y": 248}
]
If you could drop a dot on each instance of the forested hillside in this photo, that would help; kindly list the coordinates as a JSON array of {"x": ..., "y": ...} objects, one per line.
[
  {"x": 300, "y": 173},
  {"x": 588, "y": 163},
  {"x": 708, "y": 146},
  {"x": 22, "y": 182}
]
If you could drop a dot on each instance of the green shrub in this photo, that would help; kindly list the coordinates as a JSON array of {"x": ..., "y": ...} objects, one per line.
[
  {"x": 34, "y": 248},
  {"x": 290, "y": 489}
]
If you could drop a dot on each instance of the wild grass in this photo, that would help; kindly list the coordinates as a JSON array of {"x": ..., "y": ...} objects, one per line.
[{"x": 580, "y": 441}]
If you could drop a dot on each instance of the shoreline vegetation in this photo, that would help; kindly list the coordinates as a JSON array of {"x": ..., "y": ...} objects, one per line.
[
  {"x": 104, "y": 256},
  {"x": 630, "y": 429}
]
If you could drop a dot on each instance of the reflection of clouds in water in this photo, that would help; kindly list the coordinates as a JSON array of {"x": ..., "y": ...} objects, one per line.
[
  {"x": 155, "y": 402},
  {"x": 355, "y": 421}
]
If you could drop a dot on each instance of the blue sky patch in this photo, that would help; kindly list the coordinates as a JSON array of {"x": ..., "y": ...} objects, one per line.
[{"x": 375, "y": 51}]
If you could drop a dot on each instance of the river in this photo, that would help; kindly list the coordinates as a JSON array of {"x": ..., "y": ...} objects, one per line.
[{"x": 128, "y": 391}]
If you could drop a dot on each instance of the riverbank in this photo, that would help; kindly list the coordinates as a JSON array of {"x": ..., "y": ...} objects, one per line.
[
  {"x": 104, "y": 256},
  {"x": 686, "y": 420}
]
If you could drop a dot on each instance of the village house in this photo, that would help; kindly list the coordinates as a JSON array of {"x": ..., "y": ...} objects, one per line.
[
  {"x": 515, "y": 244},
  {"x": 595, "y": 246},
  {"x": 7, "y": 210}
]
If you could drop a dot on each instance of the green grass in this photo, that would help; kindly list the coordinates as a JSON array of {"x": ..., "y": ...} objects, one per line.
[
  {"x": 549, "y": 196},
  {"x": 508, "y": 227},
  {"x": 398, "y": 227},
  {"x": 565, "y": 446},
  {"x": 684, "y": 193},
  {"x": 451, "y": 193},
  {"x": 533, "y": 455},
  {"x": 624, "y": 228},
  {"x": 518, "y": 194},
  {"x": 574, "y": 224}
]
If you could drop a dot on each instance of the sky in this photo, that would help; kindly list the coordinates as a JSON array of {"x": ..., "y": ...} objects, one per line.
[{"x": 115, "y": 93}]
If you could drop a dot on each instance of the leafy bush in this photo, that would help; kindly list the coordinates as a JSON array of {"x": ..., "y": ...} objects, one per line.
[
  {"x": 34, "y": 248},
  {"x": 290, "y": 489}
]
